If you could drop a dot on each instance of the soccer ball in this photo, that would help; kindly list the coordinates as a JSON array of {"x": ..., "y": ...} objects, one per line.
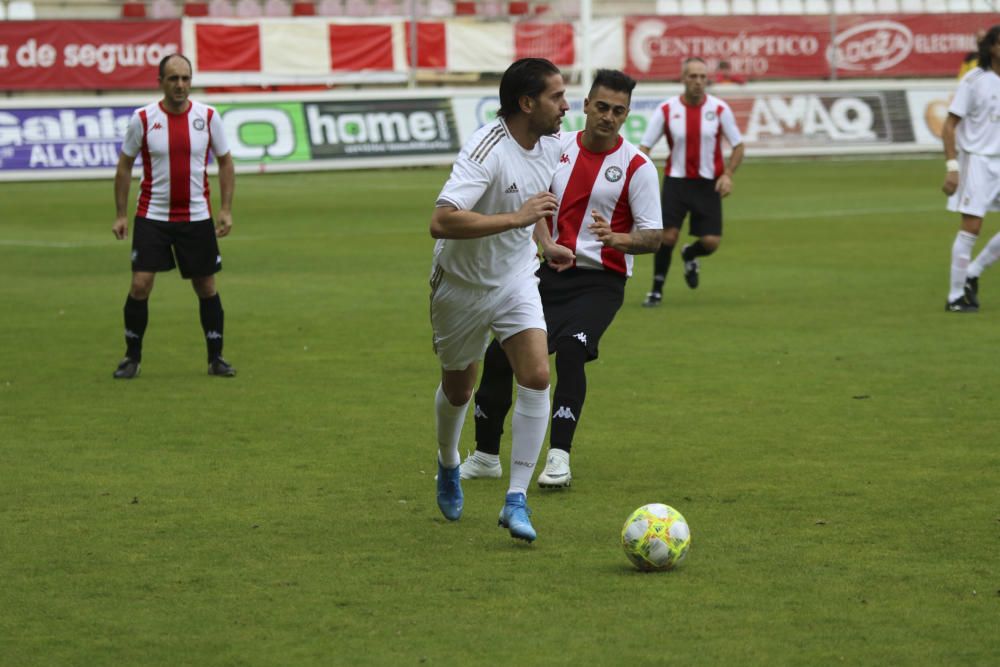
[{"x": 656, "y": 537}]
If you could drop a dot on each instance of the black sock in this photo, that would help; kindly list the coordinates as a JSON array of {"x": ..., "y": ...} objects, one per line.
[
  {"x": 570, "y": 392},
  {"x": 211, "y": 313},
  {"x": 136, "y": 319},
  {"x": 696, "y": 249},
  {"x": 661, "y": 266},
  {"x": 493, "y": 399}
]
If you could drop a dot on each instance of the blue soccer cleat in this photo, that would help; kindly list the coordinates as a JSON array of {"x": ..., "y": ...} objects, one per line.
[
  {"x": 515, "y": 516},
  {"x": 449, "y": 492}
]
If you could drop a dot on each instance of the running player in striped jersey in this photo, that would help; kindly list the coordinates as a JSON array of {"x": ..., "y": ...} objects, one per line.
[
  {"x": 609, "y": 210},
  {"x": 971, "y": 137},
  {"x": 173, "y": 223},
  {"x": 483, "y": 280},
  {"x": 696, "y": 177}
]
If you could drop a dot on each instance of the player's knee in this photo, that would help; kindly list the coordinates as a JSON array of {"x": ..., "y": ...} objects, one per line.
[
  {"x": 204, "y": 286},
  {"x": 535, "y": 376},
  {"x": 669, "y": 237},
  {"x": 457, "y": 395},
  {"x": 141, "y": 287},
  {"x": 711, "y": 243}
]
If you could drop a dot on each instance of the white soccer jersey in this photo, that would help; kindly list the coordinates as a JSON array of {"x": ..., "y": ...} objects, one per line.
[
  {"x": 493, "y": 174},
  {"x": 977, "y": 102},
  {"x": 174, "y": 150},
  {"x": 694, "y": 136},
  {"x": 620, "y": 184}
]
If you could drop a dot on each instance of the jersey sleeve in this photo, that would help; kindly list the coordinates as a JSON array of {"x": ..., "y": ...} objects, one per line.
[
  {"x": 133, "y": 136},
  {"x": 465, "y": 187},
  {"x": 960, "y": 103},
  {"x": 218, "y": 132},
  {"x": 729, "y": 127},
  {"x": 654, "y": 128},
  {"x": 644, "y": 198}
]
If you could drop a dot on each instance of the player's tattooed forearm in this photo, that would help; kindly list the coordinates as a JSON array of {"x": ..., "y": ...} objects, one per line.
[{"x": 644, "y": 240}]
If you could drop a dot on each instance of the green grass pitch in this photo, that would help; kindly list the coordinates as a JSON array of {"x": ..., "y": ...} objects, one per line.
[{"x": 829, "y": 432}]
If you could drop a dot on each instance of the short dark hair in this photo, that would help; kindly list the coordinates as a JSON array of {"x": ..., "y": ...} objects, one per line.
[
  {"x": 985, "y": 44},
  {"x": 525, "y": 77},
  {"x": 164, "y": 59},
  {"x": 692, "y": 59},
  {"x": 612, "y": 79}
]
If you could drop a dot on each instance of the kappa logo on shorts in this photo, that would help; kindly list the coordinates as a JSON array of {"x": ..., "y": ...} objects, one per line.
[
  {"x": 135, "y": 255},
  {"x": 512, "y": 189},
  {"x": 613, "y": 174},
  {"x": 582, "y": 337},
  {"x": 198, "y": 124},
  {"x": 218, "y": 259}
]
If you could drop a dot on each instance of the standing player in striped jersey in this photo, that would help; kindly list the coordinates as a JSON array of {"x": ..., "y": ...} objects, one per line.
[
  {"x": 696, "y": 178},
  {"x": 973, "y": 170},
  {"x": 608, "y": 211},
  {"x": 173, "y": 216},
  {"x": 483, "y": 277}
]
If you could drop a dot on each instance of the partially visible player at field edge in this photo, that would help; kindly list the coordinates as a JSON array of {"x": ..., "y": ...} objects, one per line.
[
  {"x": 609, "y": 210},
  {"x": 483, "y": 280},
  {"x": 173, "y": 216},
  {"x": 971, "y": 137},
  {"x": 695, "y": 178}
]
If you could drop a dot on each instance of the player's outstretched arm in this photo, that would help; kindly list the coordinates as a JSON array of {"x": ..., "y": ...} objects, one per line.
[
  {"x": 950, "y": 154},
  {"x": 123, "y": 181},
  {"x": 227, "y": 186},
  {"x": 449, "y": 222}
]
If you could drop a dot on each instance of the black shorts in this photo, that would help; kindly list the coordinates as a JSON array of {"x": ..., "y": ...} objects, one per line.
[
  {"x": 580, "y": 304},
  {"x": 155, "y": 243},
  {"x": 696, "y": 196}
]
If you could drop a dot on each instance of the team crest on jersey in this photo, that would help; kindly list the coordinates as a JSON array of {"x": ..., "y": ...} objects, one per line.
[
  {"x": 199, "y": 124},
  {"x": 709, "y": 115},
  {"x": 613, "y": 174}
]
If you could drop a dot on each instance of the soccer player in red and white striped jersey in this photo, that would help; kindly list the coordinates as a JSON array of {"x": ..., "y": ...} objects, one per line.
[
  {"x": 173, "y": 223},
  {"x": 608, "y": 211},
  {"x": 696, "y": 176}
]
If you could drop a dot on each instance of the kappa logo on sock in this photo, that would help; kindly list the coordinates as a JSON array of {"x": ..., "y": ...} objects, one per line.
[
  {"x": 213, "y": 335},
  {"x": 131, "y": 334},
  {"x": 582, "y": 337},
  {"x": 479, "y": 413},
  {"x": 563, "y": 413}
]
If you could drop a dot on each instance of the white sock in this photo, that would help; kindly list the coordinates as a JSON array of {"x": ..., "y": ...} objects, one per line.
[
  {"x": 450, "y": 419},
  {"x": 528, "y": 426},
  {"x": 961, "y": 253},
  {"x": 986, "y": 258}
]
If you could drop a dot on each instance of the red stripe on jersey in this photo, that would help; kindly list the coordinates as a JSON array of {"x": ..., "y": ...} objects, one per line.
[
  {"x": 669, "y": 135},
  {"x": 719, "y": 167},
  {"x": 573, "y": 207},
  {"x": 146, "y": 188},
  {"x": 208, "y": 198},
  {"x": 692, "y": 141},
  {"x": 621, "y": 222},
  {"x": 180, "y": 166}
]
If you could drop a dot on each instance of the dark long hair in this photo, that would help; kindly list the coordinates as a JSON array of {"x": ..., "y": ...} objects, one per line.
[
  {"x": 985, "y": 44},
  {"x": 526, "y": 77}
]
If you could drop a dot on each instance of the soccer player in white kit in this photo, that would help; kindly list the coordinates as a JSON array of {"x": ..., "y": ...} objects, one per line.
[
  {"x": 609, "y": 210},
  {"x": 173, "y": 223},
  {"x": 483, "y": 280},
  {"x": 973, "y": 170},
  {"x": 696, "y": 177}
]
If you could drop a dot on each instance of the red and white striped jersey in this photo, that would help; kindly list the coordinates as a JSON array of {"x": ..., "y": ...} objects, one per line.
[
  {"x": 174, "y": 150},
  {"x": 693, "y": 136},
  {"x": 620, "y": 184}
]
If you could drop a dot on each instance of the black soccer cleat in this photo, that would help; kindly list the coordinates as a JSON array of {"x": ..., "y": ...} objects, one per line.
[
  {"x": 127, "y": 369},
  {"x": 653, "y": 299},
  {"x": 690, "y": 269},
  {"x": 960, "y": 305},
  {"x": 221, "y": 368},
  {"x": 972, "y": 291}
]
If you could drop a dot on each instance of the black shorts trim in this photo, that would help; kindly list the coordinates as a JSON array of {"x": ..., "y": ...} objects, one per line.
[
  {"x": 696, "y": 196},
  {"x": 580, "y": 304},
  {"x": 160, "y": 246}
]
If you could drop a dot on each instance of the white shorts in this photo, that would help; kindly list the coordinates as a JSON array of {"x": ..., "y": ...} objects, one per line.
[
  {"x": 978, "y": 186},
  {"x": 464, "y": 316}
]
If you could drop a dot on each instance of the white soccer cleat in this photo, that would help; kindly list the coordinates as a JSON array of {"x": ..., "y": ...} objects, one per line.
[
  {"x": 472, "y": 468},
  {"x": 556, "y": 474}
]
